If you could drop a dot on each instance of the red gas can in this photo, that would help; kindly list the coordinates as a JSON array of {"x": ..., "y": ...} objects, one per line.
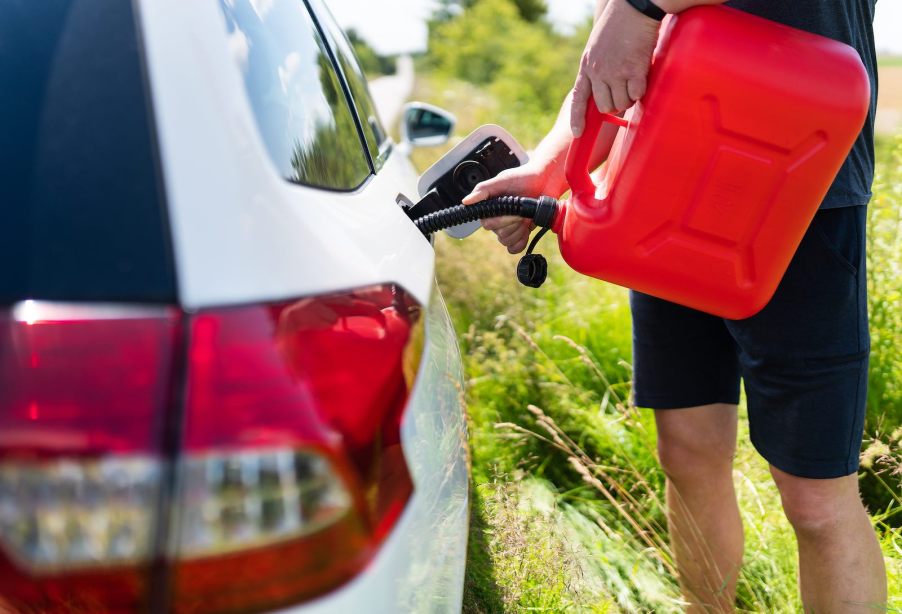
[{"x": 720, "y": 167}]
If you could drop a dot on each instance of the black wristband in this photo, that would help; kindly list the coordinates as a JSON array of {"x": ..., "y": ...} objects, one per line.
[{"x": 648, "y": 8}]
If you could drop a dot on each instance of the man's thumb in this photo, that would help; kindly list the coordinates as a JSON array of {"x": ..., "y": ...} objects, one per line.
[
  {"x": 482, "y": 191},
  {"x": 474, "y": 197}
]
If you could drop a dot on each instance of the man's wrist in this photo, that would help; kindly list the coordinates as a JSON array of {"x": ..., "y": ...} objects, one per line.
[
  {"x": 678, "y": 6},
  {"x": 555, "y": 181},
  {"x": 648, "y": 8},
  {"x": 550, "y": 170}
]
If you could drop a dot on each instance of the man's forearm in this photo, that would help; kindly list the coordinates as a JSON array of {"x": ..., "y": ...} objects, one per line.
[
  {"x": 599, "y": 8},
  {"x": 552, "y": 151}
]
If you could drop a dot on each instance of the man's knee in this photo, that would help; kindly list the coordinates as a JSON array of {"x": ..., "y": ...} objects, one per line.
[
  {"x": 695, "y": 443},
  {"x": 815, "y": 507}
]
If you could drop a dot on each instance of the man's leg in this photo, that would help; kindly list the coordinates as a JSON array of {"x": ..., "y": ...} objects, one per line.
[
  {"x": 696, "y": 448},
  {"x": 686, "y": 368},
  {"x": 840, "y": 563},
  {"x": 804, "y": 359}
]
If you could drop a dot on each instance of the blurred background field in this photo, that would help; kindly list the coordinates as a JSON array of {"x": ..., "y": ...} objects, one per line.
[
  {"x": 567, "y": 493},
  {"x": 889, "y": 102}
]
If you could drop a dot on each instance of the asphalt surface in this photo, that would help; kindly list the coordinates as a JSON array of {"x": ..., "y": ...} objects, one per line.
[{"x": 391, "y": 92}]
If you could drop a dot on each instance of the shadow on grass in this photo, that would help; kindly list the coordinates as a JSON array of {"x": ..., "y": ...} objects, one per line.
[{"x": 481, "y": 592}]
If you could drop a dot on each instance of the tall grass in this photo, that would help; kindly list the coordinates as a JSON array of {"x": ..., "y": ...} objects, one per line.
[
  {"x": 553, "y": 436},
  {"x": 881, "y": 482},
  {"x": 567, "y": 511},
  {"x": 885, "y": 288}
]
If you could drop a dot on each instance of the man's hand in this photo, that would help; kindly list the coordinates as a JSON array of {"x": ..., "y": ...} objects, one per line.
[
  {"x": 615, "y": 63},
  {"x": 532, "y": 179},
  {"x": 614, "y": 66}
]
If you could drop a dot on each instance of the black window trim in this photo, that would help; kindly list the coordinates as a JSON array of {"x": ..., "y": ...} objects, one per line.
[
  {"x": 349, "y": 102},
  {"x": 385, "y": 147}
]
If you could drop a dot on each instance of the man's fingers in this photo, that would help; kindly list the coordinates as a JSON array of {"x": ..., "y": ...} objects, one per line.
[
  {"x": 519, "y": 246},
  {"x": 622, "y": 101},
  {"x": 636, "y": 88},
  {"x": 510, "y": 230},
  {"x": 473, "y": 197},
  {"x": 582, "y": 91},
  {"x": 515, "y": 238},
  {"x": 602, "y": 95},
  {"x": 489, "y": 188},
  {"x": 497, "y": 223}
]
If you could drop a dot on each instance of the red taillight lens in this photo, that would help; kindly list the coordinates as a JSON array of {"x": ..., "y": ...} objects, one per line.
[
  {"x": 293, "y": 470},
  {"x": 83, "y": 396},
  {"x": 289, "y": 473}
]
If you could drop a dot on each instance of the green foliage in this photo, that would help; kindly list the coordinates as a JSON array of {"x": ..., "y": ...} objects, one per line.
[
  {"x": 548, "y": 392},
  {"x": 565, "y": 473},
  {"x": 529, "y": 10},
  {"x": 473, "y": 46},
  {"x": 536, "y": 78},
  {"x": 551, "y": 428},
  {"x": 331, "y": 157},
  {"x": 523, "y": 557},
  {"x": 526, "y": 65},
  {"x": 885, "y": 289},
  {"x": 881, "y": 482},
  {"x": 532, "y": 10},
  {"x": 372, "y": 63},
  {"x": 566, "y": 499}
]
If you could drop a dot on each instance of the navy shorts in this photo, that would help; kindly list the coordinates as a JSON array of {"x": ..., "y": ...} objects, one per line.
[{"x": 803, "y": 358}]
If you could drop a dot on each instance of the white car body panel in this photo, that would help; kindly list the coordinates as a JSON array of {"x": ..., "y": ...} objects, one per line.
[
  {"x": 233, "y": 216},
  {"x": 242, "y": 234},
  {"x": 420, "y": 567}
]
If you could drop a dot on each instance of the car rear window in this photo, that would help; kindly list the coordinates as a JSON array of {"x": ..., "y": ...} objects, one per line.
[
  {"x": 295, "y": 94},
  {"x": 376, "y": 137},
  {"x": 82, "y": 212}
]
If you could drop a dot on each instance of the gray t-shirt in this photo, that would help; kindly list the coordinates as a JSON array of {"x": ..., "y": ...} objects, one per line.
[{"x": 850, "y": 22}]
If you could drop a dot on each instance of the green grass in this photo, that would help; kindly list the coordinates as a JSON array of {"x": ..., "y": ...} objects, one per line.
[
  {"x": 553, "y": 437},
  {"x": 567, "y": 513},
  {"x": 881, "y": 486}
]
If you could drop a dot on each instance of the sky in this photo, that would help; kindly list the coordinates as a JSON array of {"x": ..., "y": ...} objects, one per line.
[{"x": 397, "y": 26}]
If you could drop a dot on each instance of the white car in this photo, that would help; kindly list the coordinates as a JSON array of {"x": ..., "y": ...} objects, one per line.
[{"x": 228, "y": 381}]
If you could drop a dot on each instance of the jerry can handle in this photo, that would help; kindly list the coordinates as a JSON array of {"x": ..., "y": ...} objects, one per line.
[{"x": 580, "y": 152}]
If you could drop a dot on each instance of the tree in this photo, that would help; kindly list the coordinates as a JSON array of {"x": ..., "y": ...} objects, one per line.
[
  {"x": 475, "y": 44},
  {"x": 530, "y": 10},
  {"x": 371, "y": 62}
]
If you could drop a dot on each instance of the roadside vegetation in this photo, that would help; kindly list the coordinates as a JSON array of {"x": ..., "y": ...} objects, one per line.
[
  {"x": 373, "y": 64},
  {"x": 567, "y": 493}
]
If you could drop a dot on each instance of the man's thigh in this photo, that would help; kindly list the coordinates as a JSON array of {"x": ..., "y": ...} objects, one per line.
[
  {"x": 804, "y": 357},
  {"x": 681, "y": 357}
]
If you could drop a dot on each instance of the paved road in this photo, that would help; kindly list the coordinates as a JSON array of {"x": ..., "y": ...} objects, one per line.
[{"x": 391, "y": 92}]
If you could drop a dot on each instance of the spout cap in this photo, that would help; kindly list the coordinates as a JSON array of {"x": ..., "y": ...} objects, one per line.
[{"x": 532, "y": 270}]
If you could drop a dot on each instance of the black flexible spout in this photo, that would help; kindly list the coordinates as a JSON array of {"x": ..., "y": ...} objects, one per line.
[
  {"x": 532, "y": 269},
  {"x": 540, "y": 210}
]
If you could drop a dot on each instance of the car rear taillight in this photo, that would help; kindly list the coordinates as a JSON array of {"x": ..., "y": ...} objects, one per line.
[
  {"x": 83, "y": 396},
  {"x": 292, "y": 471},
  {"x": 286, "y": 454}
]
